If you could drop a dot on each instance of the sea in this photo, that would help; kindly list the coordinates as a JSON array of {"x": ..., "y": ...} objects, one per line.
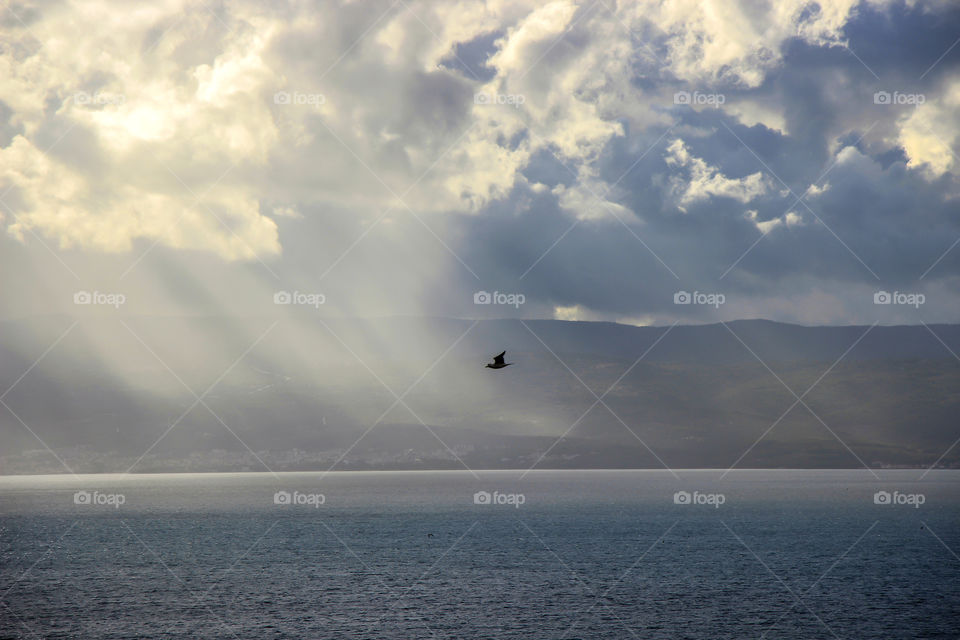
[{"x": 485, "y": 554}]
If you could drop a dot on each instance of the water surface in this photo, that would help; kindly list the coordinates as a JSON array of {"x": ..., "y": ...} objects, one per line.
[{"x": 555, "y": 554}]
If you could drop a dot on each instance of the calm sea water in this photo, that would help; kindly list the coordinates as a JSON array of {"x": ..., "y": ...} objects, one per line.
[{"x": 557, "y": 554}]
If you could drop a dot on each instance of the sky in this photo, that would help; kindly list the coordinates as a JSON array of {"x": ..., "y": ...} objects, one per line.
[{"x": 645, "y": 163}]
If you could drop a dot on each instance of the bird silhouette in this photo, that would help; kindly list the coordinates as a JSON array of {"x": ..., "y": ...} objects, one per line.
[{"x": 498, "y": 362}]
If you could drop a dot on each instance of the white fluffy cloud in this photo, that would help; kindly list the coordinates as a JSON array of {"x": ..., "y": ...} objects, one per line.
[
  {"x": 929, "y": 131},
  {"x": 714, "y": 40},
  {"x": 124, "y": 140},
  {"x": 789, "y": 219},
  {"x": 197, "y": 129},
  {"x": 175, "y": 134},
  {"x": 703, "y": 181}
]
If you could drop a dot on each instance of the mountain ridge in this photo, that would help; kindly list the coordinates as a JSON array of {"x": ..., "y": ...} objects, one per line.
[{"x": 304, "y": 396}]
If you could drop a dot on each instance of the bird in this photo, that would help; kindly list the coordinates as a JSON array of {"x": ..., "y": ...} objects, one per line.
[{"x": 498, "y": 362}]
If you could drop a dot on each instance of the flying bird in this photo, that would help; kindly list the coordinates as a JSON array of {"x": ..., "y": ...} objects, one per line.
[{"x": 498, "y": 362}]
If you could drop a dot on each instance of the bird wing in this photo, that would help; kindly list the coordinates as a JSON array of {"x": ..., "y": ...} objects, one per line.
[{"x": 499, "y": 359}]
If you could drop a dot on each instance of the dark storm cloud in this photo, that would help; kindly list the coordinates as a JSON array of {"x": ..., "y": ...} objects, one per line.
[{"x": 880, "y": 224}]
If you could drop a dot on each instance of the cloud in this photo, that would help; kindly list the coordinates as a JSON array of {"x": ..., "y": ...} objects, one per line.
[
  {"x": 715, "y": 41},
  {"x": 789, "y": 219},
  {"x": 64, "y": 205},
  {"x": 703, "y": 181},
  {"x": 574, "y": 312},
  {"x": 929, "y": 131},
  {"x": 527, "y": 146},
  {"x": 122, "y": 144}
]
